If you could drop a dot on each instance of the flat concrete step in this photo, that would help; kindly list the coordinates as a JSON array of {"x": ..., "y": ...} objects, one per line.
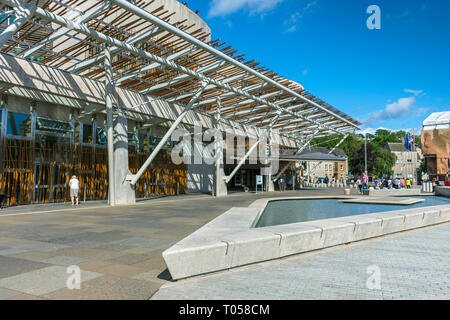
[{"x": 401, "y": 201}]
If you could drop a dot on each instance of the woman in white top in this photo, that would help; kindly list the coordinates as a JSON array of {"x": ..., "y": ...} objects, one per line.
[{"x": 74, "y": 185}]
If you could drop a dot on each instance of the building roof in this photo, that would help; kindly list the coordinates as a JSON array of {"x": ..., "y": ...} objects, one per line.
[
  {"x": 314, "y": 154},
  {"x": 437, "y": 120},
  {"x": 155, "y": 55},
  {"x": 396, "y": 147}
]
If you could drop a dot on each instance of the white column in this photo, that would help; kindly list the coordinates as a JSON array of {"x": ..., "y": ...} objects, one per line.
[
  {"x": 124, "y": 190},
  {"x": 109, "y": 95},
  {"x": 220, "y": 187}
]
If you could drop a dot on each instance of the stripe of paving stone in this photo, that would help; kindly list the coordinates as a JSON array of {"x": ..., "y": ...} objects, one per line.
[
  {"x": 7, "y": 293},
  {"x": 10, "y": 266},
  {"x": 30, "y": 245},
  {"x": 64, "y": 260},
  {"x": 108, "y": 287},
  {"x": 113, "y": 269},
  {"x": 90, "y": 253},
  {"x": 12, "y": 251},
  {"x": 34, "y": 255},
  {"x": 142, "y": 242},
  {"x": 25, "y": 296},
  {"x": 89, "y": 238},
  {"x": 43, "y": 281},
  {"x": 131, "y": 259}
]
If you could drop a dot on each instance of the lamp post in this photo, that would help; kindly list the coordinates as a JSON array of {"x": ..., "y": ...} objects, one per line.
[{"x": 365, "y": 153}]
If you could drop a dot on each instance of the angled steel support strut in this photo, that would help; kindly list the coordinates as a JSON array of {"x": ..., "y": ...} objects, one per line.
[
  {"x": 134, "y": 178},
  {"x": 331, "y": 151},
  {"x": 81, "y": 28},
  {"x": 23, "y": 14},
  {"x": 249, "y": 152},
  {"x": 298, "y": 152},
  {"x": 200, "y": 44}
]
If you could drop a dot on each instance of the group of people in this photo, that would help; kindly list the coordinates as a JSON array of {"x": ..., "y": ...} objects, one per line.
[
  {"x": 332, "y": 182},
  {"x": 381, "y": 183}
]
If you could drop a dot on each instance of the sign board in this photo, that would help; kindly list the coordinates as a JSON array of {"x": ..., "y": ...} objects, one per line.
[{"x": 259, "y": 180}]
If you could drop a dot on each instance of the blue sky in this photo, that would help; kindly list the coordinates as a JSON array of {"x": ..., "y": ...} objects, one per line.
[{"x": 391, "y": 78}]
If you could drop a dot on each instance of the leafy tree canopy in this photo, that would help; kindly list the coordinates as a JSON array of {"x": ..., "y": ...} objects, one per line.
[{"x": 380, "y": 161}]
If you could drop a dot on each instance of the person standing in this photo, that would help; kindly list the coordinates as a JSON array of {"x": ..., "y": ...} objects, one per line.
[
  {"x": 359, "y": 184},
  {"x": 408, "y": 183},
  {"x": 365, "y": 181},
  {"x": 74, "y": 185}
]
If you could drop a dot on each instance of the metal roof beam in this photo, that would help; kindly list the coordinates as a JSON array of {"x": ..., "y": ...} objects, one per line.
[
  {"x": 81, "y": 28},
  {"x": 260, "y": 107},
  {"x": 228, "y": 80},
  {"x": 23, "y": 13},
  {"x": 183, "y": 35},
  {"x": 63, "y": 30},
  {"x": 172, "y": 57},
  {"x": 232, "y": 94},
  {"x": 183, "y": 77},
  {"x": 144, "y": 36}
]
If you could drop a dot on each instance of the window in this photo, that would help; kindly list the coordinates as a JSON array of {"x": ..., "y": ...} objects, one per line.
[{"x": 18, "y": 124}]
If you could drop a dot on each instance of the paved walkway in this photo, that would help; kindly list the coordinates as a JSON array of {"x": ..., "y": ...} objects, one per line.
[
  {"x": 407, "y": 265},
  {"x": 118, "y": 249}
]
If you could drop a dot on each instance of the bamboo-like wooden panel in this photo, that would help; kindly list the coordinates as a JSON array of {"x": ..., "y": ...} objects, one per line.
[
  {"x": 32, "y": 172},
  {"x": 161, "y": 178}
]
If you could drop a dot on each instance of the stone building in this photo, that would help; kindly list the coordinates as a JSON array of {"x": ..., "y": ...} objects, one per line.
[
  {"x": 407, "y": 163},
  {"x": 435, "y": 138},
  {"x": 334, "y": 165}
]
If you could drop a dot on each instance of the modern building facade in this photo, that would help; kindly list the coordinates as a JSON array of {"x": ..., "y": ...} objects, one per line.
[{"x": 100, "y": 89}]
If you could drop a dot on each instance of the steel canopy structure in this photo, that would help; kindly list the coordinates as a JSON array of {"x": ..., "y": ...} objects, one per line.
[{"x": 174, "y": 62}]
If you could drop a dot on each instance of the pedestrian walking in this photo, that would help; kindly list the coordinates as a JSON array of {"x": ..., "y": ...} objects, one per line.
[{"x": 74, "y": 185}]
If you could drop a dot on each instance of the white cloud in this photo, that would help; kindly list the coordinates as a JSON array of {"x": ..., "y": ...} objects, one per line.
[
  {"x": 373, "y": 130},
  {"x": 229, "y": 23},
  {"x": 414, "y": 92},
  {"x": 292, "y": 28},
  {"x": 414, "y": 131},
  {"x": 310, "y": 5},
  {"x": 220, "y": 8},
  {"x": 294, "y": 18},
  {"x": 393, "y": 110}
]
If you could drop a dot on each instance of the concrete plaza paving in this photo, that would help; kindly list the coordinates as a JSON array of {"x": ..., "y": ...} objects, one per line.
[
  {"x": 118, "y": 249},
  {"x": 407, "y": 265}
]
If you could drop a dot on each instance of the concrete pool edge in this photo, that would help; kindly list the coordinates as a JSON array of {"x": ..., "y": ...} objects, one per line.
[{"x": 229, "y": 241}]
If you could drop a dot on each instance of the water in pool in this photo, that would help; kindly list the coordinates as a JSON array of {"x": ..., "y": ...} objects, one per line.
[{"x": 292, "y": 211}]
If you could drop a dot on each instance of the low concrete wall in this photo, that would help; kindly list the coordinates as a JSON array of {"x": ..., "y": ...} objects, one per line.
[
  {"x": 442, "y": 191},
  {"x": 393, "y": 192},
  {"x": 230, "y": 241}
]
